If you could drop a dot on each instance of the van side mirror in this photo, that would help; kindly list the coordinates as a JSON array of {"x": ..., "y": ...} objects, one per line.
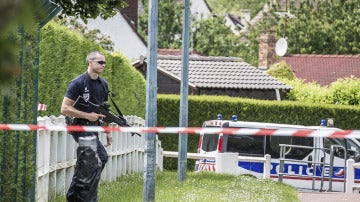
[{"x": 339, "y": 152}]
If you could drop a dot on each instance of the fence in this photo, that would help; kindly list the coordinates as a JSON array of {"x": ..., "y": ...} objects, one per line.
[
  {"x": 56, "y": 156},
  {"x": 350, "y": 186}
]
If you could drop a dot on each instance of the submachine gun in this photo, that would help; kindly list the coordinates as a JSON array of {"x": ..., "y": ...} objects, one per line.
[{"x": 110, "y": 117}]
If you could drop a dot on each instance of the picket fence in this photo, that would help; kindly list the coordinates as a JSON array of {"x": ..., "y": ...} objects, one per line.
[
  {"x": 351, "y": 186},
  {"x": 56, "y": 156}
]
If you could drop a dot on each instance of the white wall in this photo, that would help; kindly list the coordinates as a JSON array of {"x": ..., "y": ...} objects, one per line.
[
  {"x": 199, "y": 8},
  {"x": 126, "y": 41}
]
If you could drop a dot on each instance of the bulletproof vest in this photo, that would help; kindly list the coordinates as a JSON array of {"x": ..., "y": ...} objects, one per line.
[{"x": 93, "y": 91}]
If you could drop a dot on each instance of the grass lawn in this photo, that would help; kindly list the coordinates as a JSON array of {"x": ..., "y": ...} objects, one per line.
[{"x": 198, "y": 187}]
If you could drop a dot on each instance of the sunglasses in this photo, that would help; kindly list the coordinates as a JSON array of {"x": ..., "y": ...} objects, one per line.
[{"x": 100, "y": 62}]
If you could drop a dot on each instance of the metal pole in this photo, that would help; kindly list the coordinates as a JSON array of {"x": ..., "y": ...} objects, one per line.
[
  {"x": 150, "y": 117},
  {"x": 331, "y": 167},
  {"x": 35, "y": 112},
  {"x": 183, "y": 122}
]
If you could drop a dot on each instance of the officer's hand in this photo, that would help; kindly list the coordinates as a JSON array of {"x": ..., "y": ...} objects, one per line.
[
  {"x": 94, "y": 116},
  {"x": 108, "y": 139}
]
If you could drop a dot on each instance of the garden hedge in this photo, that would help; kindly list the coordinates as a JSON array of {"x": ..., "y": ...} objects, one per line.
[
  {"x": 202, "y": 108},
  {"x": 62, "y": 58}
]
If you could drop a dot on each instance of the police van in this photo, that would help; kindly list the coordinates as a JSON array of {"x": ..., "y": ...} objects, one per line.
[{"x": 316, "y": 163}]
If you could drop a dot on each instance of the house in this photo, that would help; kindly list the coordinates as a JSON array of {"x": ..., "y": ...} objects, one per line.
[
  {"x": 235, "y": 23},
  {"x": 322, "y": 69},
  {"x": 253, "y": 21},
  {"x": 122, "y": 29},
  {"x": 200, "y": 9},
  {"x": 215, "y": 76}
]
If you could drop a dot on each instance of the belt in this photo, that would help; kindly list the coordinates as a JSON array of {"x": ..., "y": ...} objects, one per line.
[{"x": 85, "y": 122}]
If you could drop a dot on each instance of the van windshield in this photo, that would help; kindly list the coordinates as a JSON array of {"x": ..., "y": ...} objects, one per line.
[{"x": 210, "y": 142}]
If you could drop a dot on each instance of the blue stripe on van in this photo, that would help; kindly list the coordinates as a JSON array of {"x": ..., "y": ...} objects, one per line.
[{"x": 298, "y": 169}]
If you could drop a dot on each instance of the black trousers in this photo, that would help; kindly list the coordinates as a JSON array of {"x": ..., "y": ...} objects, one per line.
[
  {"x": 83, "y": 187},
  {"x": 101, "y": 151}
]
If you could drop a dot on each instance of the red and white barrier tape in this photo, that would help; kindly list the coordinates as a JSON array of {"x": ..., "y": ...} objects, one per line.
[
  {"x": 42, "y": 107},
  {"x": 324, "y": 132}
]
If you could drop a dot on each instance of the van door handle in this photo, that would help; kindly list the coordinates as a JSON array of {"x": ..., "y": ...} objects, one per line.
[
  {"x": 310, "y": 159},
  {"x": 322, "y": 161}
]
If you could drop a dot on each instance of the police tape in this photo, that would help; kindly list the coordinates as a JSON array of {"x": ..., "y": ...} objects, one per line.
[{"x": 323, "y": 132}]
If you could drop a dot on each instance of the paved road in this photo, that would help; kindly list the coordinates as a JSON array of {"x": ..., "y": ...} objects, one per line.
[{"x": 328, "y": 197}]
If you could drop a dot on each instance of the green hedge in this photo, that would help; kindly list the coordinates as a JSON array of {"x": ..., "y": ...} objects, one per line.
[
  {"x": 17, "y": 148},
  {"x": 62, "y": 58},
  {"x": 202, "y": 108}
]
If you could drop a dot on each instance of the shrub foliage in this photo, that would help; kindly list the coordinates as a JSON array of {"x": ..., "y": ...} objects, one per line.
[
  {"x": 344, "y": 91},
  {"x": 202, "y": 108},
  {"x": 62, "y": 58}
]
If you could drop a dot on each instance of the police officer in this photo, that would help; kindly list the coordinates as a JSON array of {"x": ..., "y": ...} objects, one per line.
[{"x": 92, "y": 88}]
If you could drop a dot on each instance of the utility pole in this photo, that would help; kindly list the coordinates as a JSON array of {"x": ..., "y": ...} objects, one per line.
[
  {"x": 184, "y": 91},
  {"x": 151, "y": 110}
]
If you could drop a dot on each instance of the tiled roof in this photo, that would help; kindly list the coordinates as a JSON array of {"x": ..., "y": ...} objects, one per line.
[
  {"x": 219, "y": 72},
  {"x": 175, "y": 52},
  {"x": 324, "y": 69}
]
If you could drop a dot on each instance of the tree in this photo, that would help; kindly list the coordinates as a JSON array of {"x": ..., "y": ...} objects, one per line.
[
  {"x": 320, "y": 27},
  {"x": 94, "y": 35},
  {"x": 324, "y": 27},
  {"x": 212, "y": 37},
  {"x": 281, "y": 70},
  {"x": 13, "y": 13},
  {"x": 26, "y": 13},
  {"x": 85, "y": 9},
  {"x": 169, "y": 23},
  {"x": 208, "y": 36},
  {"x": 222, "y": 7}
]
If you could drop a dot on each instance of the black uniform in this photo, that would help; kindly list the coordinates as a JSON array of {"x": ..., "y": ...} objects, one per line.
[{"x": 87, "y": 171}]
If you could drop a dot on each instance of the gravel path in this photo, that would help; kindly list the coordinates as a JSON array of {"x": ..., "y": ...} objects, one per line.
[{"x": 328, "y": 197}]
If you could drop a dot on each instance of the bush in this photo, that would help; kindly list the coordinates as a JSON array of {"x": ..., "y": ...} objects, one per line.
[
  {"x": 203, "y": 108},
  {"x": 345, "y": 91},
  {"x": 306, "y": 92},
  {"x": 281, "y": 71},
  {"x": 62, "y": 58}
]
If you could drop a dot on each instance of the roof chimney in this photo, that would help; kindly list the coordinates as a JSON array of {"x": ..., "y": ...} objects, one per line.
[{"x": 266, "y": 50}]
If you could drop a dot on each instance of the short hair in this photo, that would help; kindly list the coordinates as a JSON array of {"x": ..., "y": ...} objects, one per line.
[{"x": 92, "y": 55}]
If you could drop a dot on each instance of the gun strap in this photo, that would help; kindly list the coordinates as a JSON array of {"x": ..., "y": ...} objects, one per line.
[
  {"x": 116, "y": 107},
  {"x": 109, "y": 92}
]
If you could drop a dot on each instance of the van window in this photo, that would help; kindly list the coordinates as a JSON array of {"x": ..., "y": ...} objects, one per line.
[
  {"x": 352, "y": 149},
  {"x": 275, "y": 141},
  {"x": 273, "y": 147},
  {"x": 245, "y": 145},
  {"x": 210, "y": 142}
]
